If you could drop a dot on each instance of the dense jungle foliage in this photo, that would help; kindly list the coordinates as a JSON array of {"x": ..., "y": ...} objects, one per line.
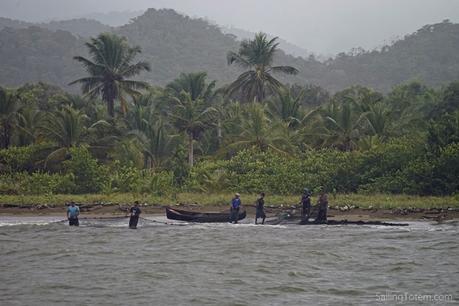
[{"x": 254, "y": 134}]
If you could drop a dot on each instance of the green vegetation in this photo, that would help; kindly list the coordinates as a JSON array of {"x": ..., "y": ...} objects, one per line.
[
  {"x": 173, "y": 43},
  {"x": 374, "y": 201},
  {"x": 201, "y": 142},
  {"x": 108, "y": 69},
  {"x": 257, "y": 55}
]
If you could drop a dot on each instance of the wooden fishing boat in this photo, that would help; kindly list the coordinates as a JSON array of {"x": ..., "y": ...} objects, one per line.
[{"x": 192, "y": 216}]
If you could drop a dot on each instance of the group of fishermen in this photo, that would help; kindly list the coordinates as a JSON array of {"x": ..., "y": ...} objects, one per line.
[
  {"x": 73, "y": 211},
  {"x": 322, "y": 206}
]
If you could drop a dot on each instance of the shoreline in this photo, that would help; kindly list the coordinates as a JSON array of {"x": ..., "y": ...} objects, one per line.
[{"x": 334, "y": 213}]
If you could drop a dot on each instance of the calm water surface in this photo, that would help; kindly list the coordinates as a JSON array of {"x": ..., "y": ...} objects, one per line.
[{"x": 43, "y": 262}]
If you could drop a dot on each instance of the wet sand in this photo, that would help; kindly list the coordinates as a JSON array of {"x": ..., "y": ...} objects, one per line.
[{"x": 95, "y": 210}]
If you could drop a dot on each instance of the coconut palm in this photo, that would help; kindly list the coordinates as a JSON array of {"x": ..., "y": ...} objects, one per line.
[
  {"x": 378, "y": 119},
  {"x": 110, "y": 67},
  {"x": 286, "y": 106},
  {"x": 343, "y": 125},
  {"x": 65, "y": 128},
  {"x": 151, "y": 135},
  {"x": 258, "y": 131},
  {"x": 28, "y": 122},
  {"x": 257, "y": 57},
  {"x": 8, "y": 117},
  {"x": 195, "y": 84},
  {"x": 191, "y": 117},
  {"x": 68, "y": 128}
]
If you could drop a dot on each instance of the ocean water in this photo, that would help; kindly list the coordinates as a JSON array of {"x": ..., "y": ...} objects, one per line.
[{"x": 45, "y": 262}]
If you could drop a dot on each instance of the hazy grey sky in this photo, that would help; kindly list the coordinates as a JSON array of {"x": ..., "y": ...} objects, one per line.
[{"x": 321, "y": 26}]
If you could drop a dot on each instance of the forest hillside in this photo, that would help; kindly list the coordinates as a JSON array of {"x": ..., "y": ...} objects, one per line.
[{"x": 174, "y": 43}]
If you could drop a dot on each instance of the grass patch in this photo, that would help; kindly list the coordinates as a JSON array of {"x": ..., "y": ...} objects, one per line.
[{"x": 385, "y": 201}]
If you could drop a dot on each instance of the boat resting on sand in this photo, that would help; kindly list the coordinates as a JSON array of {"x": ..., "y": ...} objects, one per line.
[{"x": 192, "y": 216}]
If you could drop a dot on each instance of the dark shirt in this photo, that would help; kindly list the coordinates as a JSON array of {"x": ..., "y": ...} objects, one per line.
[
  {"x": 323, "y": 202},
  {"x": 135, "y": 211},
  {"x": 306, "y": 200},
  {"x": 260, "y": 204}
]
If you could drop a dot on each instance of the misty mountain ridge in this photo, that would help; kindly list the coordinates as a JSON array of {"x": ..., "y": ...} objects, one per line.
[
  {"x": 81, "y": 26},
  {"x": 115, "y": 18},
  {"x": 93, "y": 24},
  {"x": 288, "y": 47},
  {"x": 120, "y": 18},
  {"x": 174, "y": 43}
]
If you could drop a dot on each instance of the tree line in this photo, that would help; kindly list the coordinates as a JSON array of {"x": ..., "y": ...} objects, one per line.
[{"x": 136, "y": 134}]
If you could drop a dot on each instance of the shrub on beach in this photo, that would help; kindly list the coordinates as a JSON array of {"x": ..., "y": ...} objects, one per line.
[
  {"x": 19, "y": 159},
  {"x": 127, "y": 178},
  {"x": 400, "y": 166},
  {"x": 36, "y": 183},
  {"x": 88, "y": 175}
]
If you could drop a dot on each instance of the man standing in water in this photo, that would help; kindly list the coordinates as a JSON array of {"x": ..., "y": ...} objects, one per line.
[
  {"x": 323, "y": 207},
  {"x": 260, "y": 208},
  {"x": 135, "y": 213},
  {"x": 73, "y": 212},
  {"x": 235, "y": 206},
  {"x": 306, "y": 205}
]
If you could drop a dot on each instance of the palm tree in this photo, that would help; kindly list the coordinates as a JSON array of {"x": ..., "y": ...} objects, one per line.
[
  {"x": 151, "y": 134},
  {"x": 28, "y": 122},
  {"x": 378, "y": 119},
  {"x": 109, "y": 68},
  {"x": 257, "y": 57},
  {"x": 343, "y": 125},
  {"x": 194, "y": 84},
  {"x": 8, "y": 117},
  {"x": 286, "y": 106},
  {"x": 68, "y": 128},
  {"x": 258, "y": 131},
  {"x": 191, "y": 117},
  {"x": 65, "y": 128}
]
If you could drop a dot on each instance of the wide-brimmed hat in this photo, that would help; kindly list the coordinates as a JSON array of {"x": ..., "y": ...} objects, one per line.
[{"x": 237, "y": 194}]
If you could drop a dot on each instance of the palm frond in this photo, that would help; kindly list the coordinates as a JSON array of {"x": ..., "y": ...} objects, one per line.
[{"x": 285, "y": 69}]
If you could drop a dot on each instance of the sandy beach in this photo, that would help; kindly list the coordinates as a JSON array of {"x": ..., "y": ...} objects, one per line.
[{"x": 351, "y": 214}]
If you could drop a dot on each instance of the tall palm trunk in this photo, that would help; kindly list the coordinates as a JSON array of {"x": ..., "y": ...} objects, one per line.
[
  {"x": 111, "y": 106},
  {"x": 6, "y": 137},
  {"x": 145, "y": 161},
  {"x": 109, "y": 95},
  {"x": 190, "y": 150},
  {"x": 219, "y": 132}
]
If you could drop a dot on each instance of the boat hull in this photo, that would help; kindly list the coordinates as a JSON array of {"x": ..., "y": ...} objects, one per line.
[{"x": 191, "y": 216}]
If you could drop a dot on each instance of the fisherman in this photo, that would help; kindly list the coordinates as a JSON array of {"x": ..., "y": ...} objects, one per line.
[
  {"x": 260, "y": 208},
  {"x": 135, "y": 213},
  {"x": 73, "y": 211},
  {"x": 235, "y": 206},
  {"x": 323, "y": 207},
  {"x": 306, "y": 205}
]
